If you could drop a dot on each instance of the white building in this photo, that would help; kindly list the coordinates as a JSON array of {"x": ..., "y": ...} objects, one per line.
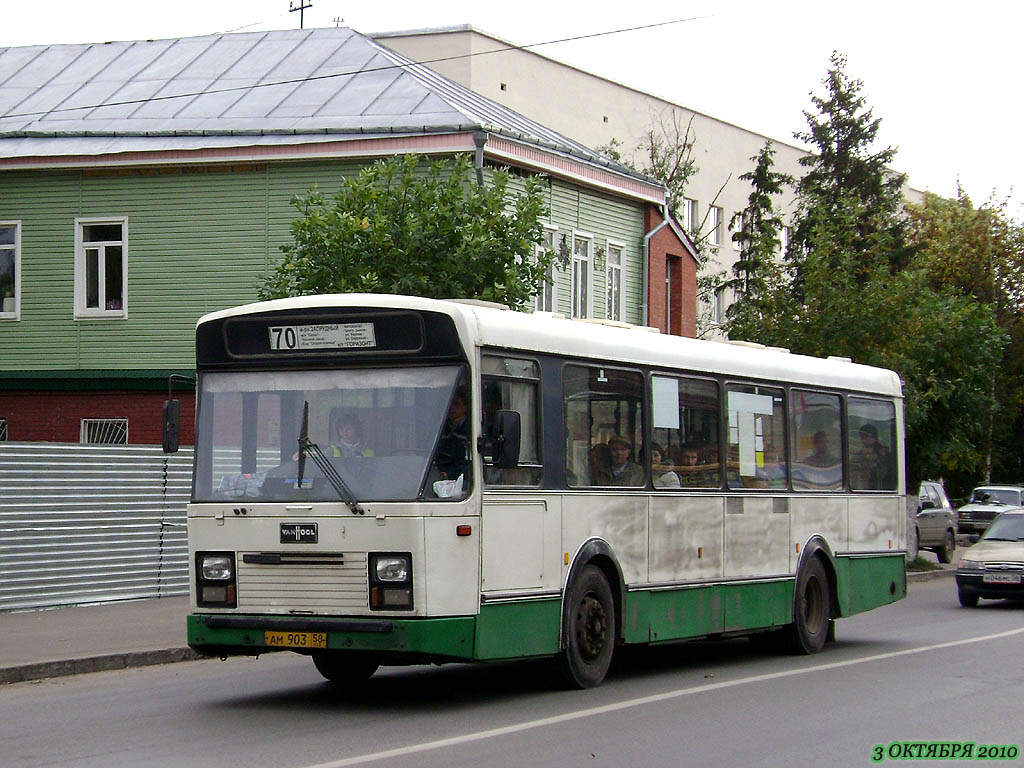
[{"x": 594, "y": 110}]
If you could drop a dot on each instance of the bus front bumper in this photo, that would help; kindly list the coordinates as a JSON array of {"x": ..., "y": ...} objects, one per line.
[{"x": 247, "y": 635}]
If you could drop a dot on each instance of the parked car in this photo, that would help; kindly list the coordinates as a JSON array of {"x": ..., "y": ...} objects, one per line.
[
  {"x": 986, "y": 502},
  {"x": 994, "y": 567},
  {"x": 934, "y": 524}
]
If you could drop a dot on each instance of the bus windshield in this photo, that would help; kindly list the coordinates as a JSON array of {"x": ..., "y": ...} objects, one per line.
[{"x": 379, "y": 428}]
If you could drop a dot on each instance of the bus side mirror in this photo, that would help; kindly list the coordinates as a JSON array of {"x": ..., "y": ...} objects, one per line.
[
  {"x": 171, "y": 426},
  {"x": 507, "y": 430}
]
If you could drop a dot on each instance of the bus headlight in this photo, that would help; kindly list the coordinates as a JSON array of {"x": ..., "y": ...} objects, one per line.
[
  {"x": 217, "y": 567},
  {"x": 390, "y": 581},
  {"x": 215, "y": 580}
]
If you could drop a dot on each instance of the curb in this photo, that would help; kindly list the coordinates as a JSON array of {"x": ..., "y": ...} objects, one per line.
[
  {"x": 48, "y": 669},
  {"x": 929, "y": 575}
]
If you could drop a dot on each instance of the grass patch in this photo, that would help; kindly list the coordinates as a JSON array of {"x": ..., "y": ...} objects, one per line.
[{"x": 920, "y": 564}]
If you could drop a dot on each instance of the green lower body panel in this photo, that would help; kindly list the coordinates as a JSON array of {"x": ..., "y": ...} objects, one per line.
[
  {"x": 515, "y": 630},
  {"x": 869, "y": 582},
  {"x": 666, "y": 615},
  {"x": 246, "y": 635}
]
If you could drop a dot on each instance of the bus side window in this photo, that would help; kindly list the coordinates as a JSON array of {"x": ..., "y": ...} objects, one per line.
[
  {"x": 511, "y": 384},
  {"x": 817, "y": 441},
  {"x": 685, "y": 431},
  {"x": 757, "y": 437},
  {"x": 871, "y": 438},
  {"x": 603, "y": 426}
]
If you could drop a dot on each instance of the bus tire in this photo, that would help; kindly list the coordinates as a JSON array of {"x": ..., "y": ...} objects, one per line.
[
  {"x": 811, "y": 601},
  {"x": 346, "y": 666},
  {"x": 590, "y": 631}
]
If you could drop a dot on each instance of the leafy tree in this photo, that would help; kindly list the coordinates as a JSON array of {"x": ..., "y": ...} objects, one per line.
[
  {"x": 978, "y": 253},
  {"x": 849, "y": 287},
  {"x": 397, "y": 227},
  {"x": 758, "y": 238}
]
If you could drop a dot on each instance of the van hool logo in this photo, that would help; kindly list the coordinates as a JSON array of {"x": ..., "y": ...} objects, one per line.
[{"x": 294, "y": 533}]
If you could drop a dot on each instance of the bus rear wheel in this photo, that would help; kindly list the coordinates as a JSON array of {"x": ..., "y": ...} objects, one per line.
[
  {"x": 590, "y": 631},
  {"x": 346, "y": 666},
  {"x": 810, "y": 628}
]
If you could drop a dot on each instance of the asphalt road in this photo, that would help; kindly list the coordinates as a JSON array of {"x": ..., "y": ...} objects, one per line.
[{"x": 920, "y": 670}]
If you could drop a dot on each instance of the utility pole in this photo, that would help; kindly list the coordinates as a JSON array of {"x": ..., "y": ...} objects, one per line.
[
  {"x": 338, "y": 21},
  {"x": 301, "y": 7}
]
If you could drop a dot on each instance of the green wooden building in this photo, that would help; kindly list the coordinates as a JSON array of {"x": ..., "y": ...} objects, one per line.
[{"x": 143, "y": 184}]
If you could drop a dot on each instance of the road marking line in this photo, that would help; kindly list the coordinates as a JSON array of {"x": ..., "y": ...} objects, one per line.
[{"x": 654, "y": 698}]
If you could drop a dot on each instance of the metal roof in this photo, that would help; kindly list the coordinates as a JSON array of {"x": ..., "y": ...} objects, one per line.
[{"x": 238, "y": 89}]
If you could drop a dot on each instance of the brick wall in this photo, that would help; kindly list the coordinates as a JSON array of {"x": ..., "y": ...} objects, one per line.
[{"x": 56, "y": 416}]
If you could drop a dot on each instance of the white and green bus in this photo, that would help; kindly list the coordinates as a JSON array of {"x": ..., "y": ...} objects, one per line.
[{"x": 394, "y": 480}]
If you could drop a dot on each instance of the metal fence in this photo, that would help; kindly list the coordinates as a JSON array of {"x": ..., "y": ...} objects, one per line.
[{"x": 91, "y": 523}]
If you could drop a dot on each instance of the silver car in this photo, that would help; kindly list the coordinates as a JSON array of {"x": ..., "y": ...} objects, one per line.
[
  {"x": 986, "y": 502},
  {"x": 934, "y": 525},
  {"x": 994, "y": 567}
]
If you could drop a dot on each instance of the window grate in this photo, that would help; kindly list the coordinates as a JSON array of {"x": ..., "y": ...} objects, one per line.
[
  {"x": 3, "y": 430},
  {"x": 105, "y": 431}
]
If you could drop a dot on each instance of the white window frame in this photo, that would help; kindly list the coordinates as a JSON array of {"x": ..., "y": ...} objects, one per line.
[
  {"x": 538, "y": 302},
  {"x": 86, "y": 423},
  {"x": 576, "y": 309},
  {"x": 14, "y": 313},
  {"x": 620, "y": 309},
  {"x": 715, "y": 225},
  {"x": 81, "y": 311}
]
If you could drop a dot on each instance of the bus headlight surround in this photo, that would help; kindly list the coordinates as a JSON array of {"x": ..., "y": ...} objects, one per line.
[
  {"x": 390, "y": 576},
  {"x": 215, "y": 580}
]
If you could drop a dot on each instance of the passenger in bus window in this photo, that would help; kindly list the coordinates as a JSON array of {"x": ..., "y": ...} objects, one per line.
[
  {"x": 711, "y": 469},
  {"x": 348, "y": 438},
  {"x": 691, "y": 475},
  {"x": 623, "y": 470},
  {"x": 453, "y": 447},
  {"x": 663, "y": 475},
  {"x": 820, "y": 455},
  {"x": 872, "y": 464}
]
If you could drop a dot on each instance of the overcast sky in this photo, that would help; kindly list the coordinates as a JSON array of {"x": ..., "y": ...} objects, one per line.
[{"x": 943, "y": 76}]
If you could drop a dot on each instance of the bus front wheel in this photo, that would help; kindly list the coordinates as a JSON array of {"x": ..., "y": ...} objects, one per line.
[
  {"x": 590, "y": 631},
  {"x": 810, "y": 627},
  {"x": 346, "y": 666}
]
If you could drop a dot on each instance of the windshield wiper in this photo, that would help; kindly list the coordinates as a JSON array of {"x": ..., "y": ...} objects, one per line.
[{"x": 324, "y": 464}]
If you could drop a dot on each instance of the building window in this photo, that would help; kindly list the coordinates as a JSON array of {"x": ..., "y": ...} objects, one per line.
[
  {"x": 718, "y": 305},
  {"x": 581, "y": 275},
  {"x": 547, "y": 292},
  {"x": 105, "y": 431},
  {"x": 714, "y": 225},
  {"x": 737, "y": 228},
  {"x": 615, "y": 281},
  {"x": 3, "y": 429},
  {"x": 10, "y": 270},
  {"x": 101, "y": 272},
  {"x": 690, "y": 215}
]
